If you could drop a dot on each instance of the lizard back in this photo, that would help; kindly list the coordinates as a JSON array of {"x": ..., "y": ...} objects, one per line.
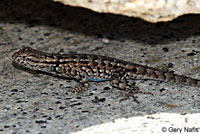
[{"x": 95, "y": 67}]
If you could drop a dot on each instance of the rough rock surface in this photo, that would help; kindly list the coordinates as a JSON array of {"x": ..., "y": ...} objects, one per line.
[{"x": 149, "y": 10}]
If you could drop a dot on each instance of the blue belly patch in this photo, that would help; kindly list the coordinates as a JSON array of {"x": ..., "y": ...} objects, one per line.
[{"x": 96, "y": 79}]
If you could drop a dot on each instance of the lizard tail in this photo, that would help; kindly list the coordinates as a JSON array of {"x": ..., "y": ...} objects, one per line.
[{"x": 170, "y": 76}]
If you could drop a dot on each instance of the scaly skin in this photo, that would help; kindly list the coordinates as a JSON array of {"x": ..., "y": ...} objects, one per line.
[{"x": 89, "y": 67}]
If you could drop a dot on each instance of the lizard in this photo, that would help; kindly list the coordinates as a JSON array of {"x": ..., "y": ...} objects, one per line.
[{"x": 90, "y": 67}]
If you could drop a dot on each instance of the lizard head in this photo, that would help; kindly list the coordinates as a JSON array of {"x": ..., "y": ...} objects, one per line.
[
  {"x": 27, "y": 57},
  {"x": 33, "y": 59},
  {"x": 21, "y": 56}
]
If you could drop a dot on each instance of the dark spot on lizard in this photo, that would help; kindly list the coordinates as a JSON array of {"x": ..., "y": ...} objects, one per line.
[
  {"x": 115, "y": 66},
  {"x": 73, "y": 56},
  {"x": 103, "y": 63},
  {"x": 84, "y": 62},
  {"x": 109, "y": 64},
  {"x": 134, "y": 70},
  {"x": 95, "y": 57},
  {"x": 94, "y": 64},
  {"x": 72, "y": 62},
  {"x": 83, "y": 57}
]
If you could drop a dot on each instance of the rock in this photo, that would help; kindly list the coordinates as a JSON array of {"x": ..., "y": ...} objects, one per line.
[{"x": 149, "y": 10}]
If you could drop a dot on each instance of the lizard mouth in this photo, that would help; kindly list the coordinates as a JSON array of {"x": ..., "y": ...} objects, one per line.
[{"x": 15, "y": 56}]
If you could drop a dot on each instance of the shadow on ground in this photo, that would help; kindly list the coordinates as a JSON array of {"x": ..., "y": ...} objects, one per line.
[{"x": 74, "y": 19}]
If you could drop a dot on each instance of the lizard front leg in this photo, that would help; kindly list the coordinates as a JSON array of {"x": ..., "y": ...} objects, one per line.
[
  {"x": 84, "y": 84},
  {"x": 81, "y": 79}
]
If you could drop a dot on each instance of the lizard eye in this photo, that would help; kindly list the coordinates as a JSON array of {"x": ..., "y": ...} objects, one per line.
[
  {"x": 26, "y": 50},
  {"x": 17, "y": 60}
]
